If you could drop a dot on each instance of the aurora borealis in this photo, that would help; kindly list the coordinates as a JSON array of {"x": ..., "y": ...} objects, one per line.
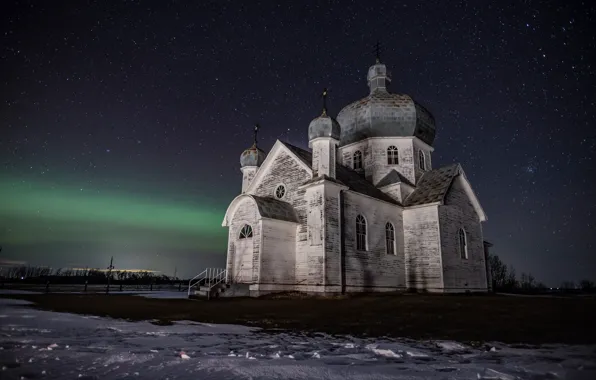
[
  {"x": 122, "y": 123},
  {"x": 96, "y": 224}
]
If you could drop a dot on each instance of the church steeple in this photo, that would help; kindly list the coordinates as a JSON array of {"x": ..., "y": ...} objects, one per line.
[{"x": 323, "y": 137}]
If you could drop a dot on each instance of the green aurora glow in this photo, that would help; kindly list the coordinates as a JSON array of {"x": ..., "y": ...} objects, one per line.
[{"x": 38, "y": 214}]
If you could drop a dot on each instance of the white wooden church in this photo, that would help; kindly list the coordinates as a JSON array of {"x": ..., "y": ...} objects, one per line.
[{"x": 363, "y": 211}]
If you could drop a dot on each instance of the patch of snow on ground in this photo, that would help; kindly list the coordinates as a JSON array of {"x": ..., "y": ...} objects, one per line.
[{"x": 66, "y": 346}]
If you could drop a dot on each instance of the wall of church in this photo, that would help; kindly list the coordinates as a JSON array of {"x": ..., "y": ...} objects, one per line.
[
  {"x": 418, "y": 171},
  {"x": 394, "y": 191},
  {"x": 244, "y": 269},
  {"x": 332, "y": 238},
  {"x": 278, "y": 258},
  {"x": 423, "y": 248},
  {"x": 310, "y": 253},
  {"x": 459, "y": 273},
  {"x": 373, "y": 268},
  {"x": 376, "y": 165},
  {"x": 379, "y": 166},
  {"x": 248, "y": 173},
  {"x": 285, "y": 170}
]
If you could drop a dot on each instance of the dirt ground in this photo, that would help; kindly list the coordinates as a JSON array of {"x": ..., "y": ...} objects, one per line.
[{"x": 468, "y": 318}]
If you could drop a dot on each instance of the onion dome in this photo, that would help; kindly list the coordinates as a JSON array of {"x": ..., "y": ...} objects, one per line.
[
  {"x": 383, "y": 114},
  {"x": 324, "y": 125},
  {"x": 253, "y": 156}
]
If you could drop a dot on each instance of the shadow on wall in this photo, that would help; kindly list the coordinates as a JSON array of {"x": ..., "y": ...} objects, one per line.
[{"x": 417, "y": 279}]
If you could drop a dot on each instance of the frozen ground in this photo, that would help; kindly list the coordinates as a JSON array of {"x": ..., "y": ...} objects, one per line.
[{"x": 38, "y": 344}]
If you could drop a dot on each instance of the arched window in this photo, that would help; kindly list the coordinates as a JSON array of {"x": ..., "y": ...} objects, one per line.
[
  {"x": 245, "y": 232},
  {"x": 463, "y": 243},
  {"x": 360, "y": 233},
  {"x": 421, "y": 160},
  {"x": 392, "y": 155},
  {"x": 357, "y": 160},
  {"x": 389, "y": 239}
]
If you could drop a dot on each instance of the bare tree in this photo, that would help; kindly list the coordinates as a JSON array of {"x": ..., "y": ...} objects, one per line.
[{"x": 586, "y": 285}]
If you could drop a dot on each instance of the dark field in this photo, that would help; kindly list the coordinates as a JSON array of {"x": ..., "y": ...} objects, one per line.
[{"x": 469, "y": 318}]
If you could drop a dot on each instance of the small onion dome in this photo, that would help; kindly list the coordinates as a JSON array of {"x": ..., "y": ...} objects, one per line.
[
  {"x": 253, "y": 156},
  {"x": 324, "y": 126}
]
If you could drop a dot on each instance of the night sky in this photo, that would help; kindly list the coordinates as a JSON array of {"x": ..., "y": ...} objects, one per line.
[{"x": 122, "y": 124}]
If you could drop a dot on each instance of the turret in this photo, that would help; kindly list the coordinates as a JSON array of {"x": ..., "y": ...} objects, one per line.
[
  {"x": 323, "y": 139},
  {"x": 250, "y": 161}
]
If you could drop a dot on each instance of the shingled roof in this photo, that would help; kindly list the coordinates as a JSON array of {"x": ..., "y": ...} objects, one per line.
[
  {"x": 345, "y": 176},
  {"x": 433, "y": 185},
  {"x": 393, "y": 177},
  {"x": 275, "y": 209}
]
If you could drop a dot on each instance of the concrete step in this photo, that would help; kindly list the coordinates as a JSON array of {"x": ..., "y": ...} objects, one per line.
[{"x": 216, "y": 291}]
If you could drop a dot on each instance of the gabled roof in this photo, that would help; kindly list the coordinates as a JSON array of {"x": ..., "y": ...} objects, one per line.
[
  {"x": 434, "y": 185},
  {"x": 277, "y": 148},
  {"x": 393, "y": 177},
  {"x": 302, "y": 154},
  {"x": 269, "y": 208},
  {"x": 345, "y": 176}
]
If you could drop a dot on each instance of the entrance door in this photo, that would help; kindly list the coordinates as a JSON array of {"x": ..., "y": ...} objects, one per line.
[{"x": 243, "y": 260}]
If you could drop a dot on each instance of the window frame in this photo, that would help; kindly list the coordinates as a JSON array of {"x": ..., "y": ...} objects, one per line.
[
  {"x": 462, "y": 237},
  {"x": 280, "y": 186},
  {"x": 390, "y": 239},
  {"x": 421, "y": 160},
  {"x": 357, "y": 153},
  {"x": 361, "y": 233},
  {"x": 246, "y": 232},
  {"x": 392, "y": 155}
]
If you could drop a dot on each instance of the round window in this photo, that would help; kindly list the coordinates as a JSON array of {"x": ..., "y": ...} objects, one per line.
[{"x": 280, "y": 191}]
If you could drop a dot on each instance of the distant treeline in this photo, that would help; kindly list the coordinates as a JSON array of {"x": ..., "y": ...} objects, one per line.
[
  {"x": 505, "y": 279},
  {"x": 34, "y": 274}
]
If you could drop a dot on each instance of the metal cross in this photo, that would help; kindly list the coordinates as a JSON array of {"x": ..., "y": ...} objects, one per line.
[
  {"x": 324, "y": 101},
  {"x": 257, "y": 126},
  {"x": 378, "y": 51}
]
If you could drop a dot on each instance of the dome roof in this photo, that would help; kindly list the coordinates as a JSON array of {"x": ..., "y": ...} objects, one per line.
[
  {"x": 383, "y": 114},
  {"x": 324, "y": 126},
  {"x": 253, "y": 156}
]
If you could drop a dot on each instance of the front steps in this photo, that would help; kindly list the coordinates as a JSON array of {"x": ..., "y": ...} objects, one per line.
[{"x": 220, "y": 290}]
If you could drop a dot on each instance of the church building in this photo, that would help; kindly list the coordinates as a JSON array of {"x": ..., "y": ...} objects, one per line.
[{"x": 362, "y": 211}]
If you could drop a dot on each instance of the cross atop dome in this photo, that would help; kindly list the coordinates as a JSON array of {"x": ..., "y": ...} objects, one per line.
[{"x": 378, "y": 52}]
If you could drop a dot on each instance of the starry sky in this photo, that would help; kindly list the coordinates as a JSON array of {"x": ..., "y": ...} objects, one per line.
[{"x": 122, "y": 122}]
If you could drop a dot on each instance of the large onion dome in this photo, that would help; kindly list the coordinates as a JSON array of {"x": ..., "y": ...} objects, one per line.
[{"x": 383, "y": 114}]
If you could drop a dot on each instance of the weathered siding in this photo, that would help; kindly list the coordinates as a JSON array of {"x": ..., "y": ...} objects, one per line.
[
  {"x": 458, "y": 212},
  {"x": 287, "y": 171},
  {"x": 332, "y": 237},
  {"x": 423, "y": 248},
  {"x": 394, "y": 191},
  {"x": 427, "y": 162},
  {"x": 373, "y": 268},
  {"x": 376, "y": 166},
  {"x": 323, "y": 157},
  {"x": 278, "y": 258},
  {"x": 246, "y": 213},
  {"x": 248, "y": 173},
  {"x": 310, "y": 256}
]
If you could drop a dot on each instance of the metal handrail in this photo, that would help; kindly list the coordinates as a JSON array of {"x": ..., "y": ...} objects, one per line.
[
  {"x": 211, "y": 276},
  {"x": 191, "y": 285},
  {"x": 219, "y": 277}
]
